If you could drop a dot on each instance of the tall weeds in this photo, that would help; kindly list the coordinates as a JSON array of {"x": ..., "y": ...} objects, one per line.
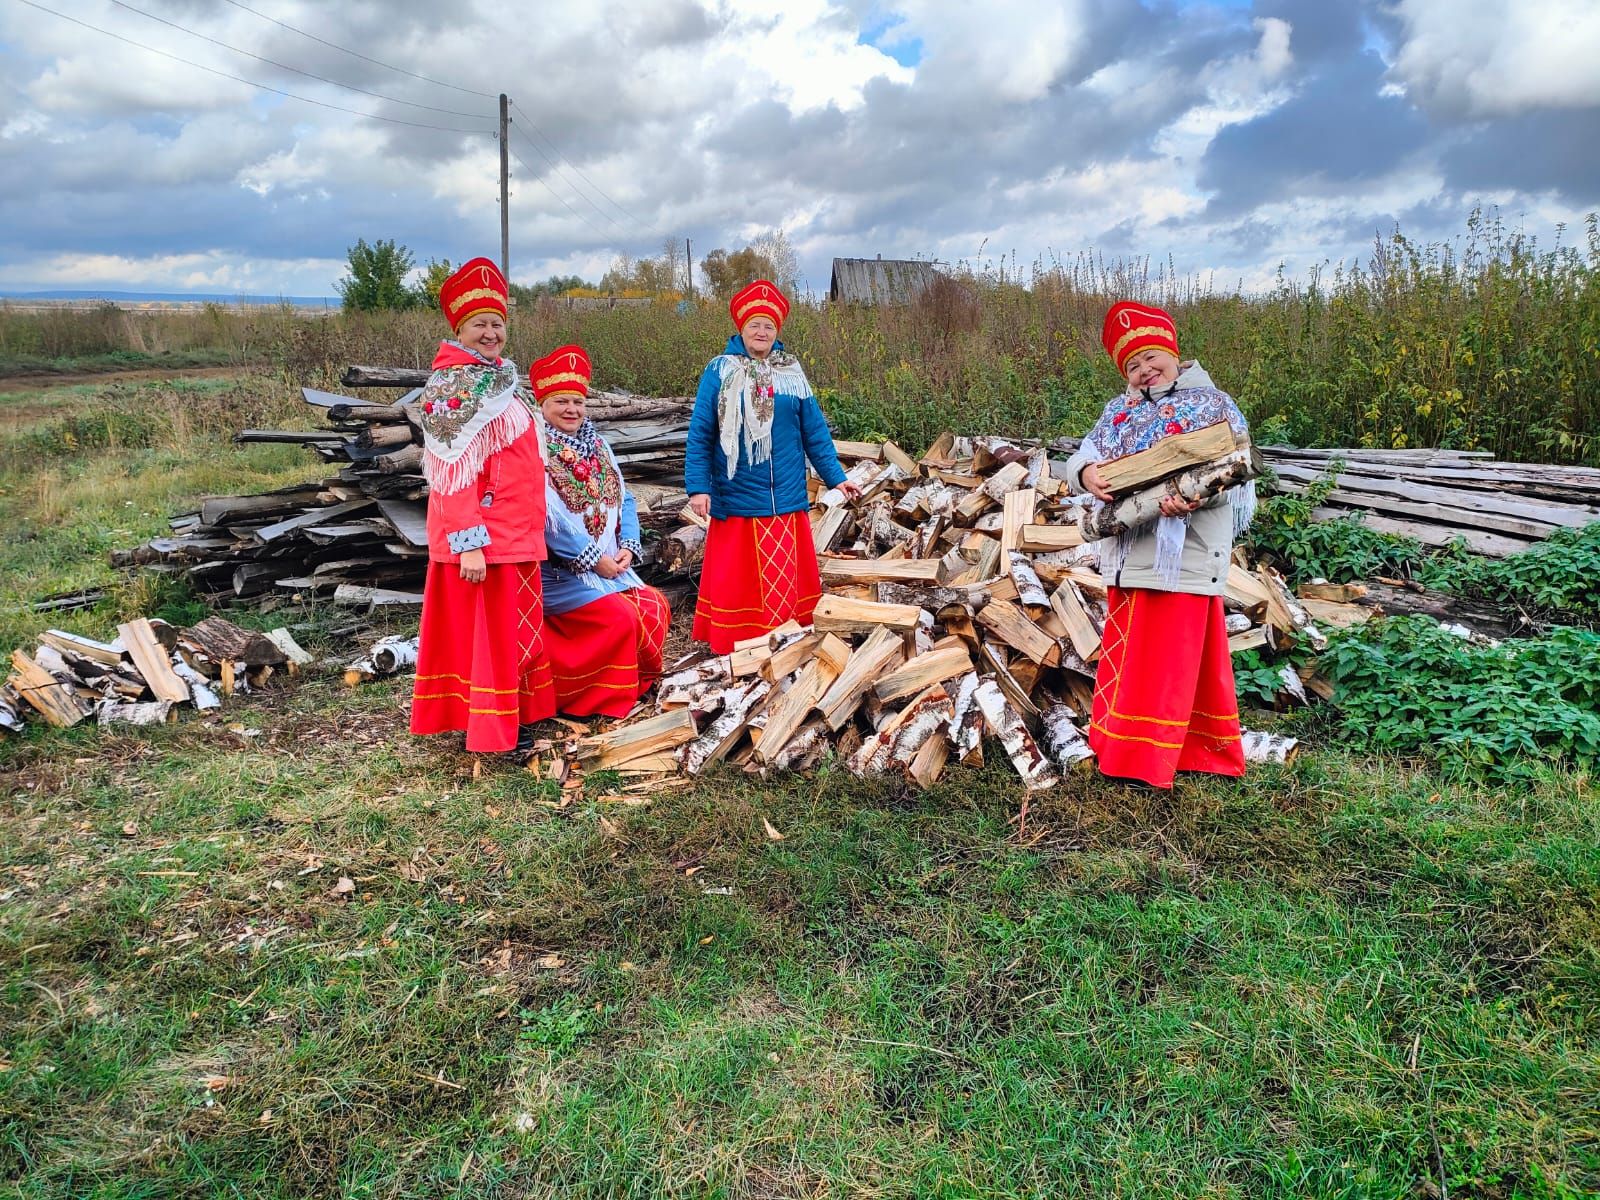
[{"x": 1488, "y": 342}]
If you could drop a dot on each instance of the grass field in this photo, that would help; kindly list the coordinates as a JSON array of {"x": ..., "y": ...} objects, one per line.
[{"x": 1350, "y": 978}]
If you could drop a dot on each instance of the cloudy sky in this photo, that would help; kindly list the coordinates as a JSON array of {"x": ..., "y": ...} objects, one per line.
[{"x": 1224, "y": 137}]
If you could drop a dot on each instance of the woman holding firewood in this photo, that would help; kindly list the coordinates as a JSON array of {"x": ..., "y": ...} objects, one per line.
[
  {"x": 755, "y": 424},
  {"x": 604, "y": 629},
  {"x": 1164, "y": 697},
  {"x": 481, "y": 664}
]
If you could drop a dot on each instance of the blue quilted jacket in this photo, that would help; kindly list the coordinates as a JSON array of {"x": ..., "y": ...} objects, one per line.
[{"x": 799, "y": 432}]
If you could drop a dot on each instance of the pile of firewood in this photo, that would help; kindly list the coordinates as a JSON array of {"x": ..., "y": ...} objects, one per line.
[
  {"x": 361, "y": 536},
  {"x": 962, "y": 596},
  {"x": 144, "y": 675}
]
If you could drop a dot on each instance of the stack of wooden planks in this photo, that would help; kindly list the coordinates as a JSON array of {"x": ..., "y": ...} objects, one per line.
[
  {"x": 143, "y": 675},
  {"x": 360, "y": 536}
]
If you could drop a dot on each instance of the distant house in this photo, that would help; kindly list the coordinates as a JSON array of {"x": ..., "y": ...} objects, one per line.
[{"x": 880, "y": 280}]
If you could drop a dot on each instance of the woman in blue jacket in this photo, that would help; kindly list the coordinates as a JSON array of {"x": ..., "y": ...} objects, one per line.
[{"x": 755, "y": 423}]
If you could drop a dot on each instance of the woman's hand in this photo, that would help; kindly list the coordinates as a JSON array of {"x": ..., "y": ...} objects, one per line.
[
  {"x": 1177, "y": 506},
  {"x": 1095, "y": 485},
  {"x": 624, "y": 561},
  {"x": 607, "y": 567},
  {"x": 850, "y": 489},
  {"x": 474, "y": 566},
  {"x": 700, "y": 505}
]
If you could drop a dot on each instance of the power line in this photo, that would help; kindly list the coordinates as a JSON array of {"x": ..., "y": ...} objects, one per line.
[
  {"x": 578, "y": 191},
  {"x": 600, "y": 191},
  {"x": 534, "y": 175},
  {"x": 251, "y": 82},
  {"x": 453, "y": 112},
  {"x": 358, "y": 54}
]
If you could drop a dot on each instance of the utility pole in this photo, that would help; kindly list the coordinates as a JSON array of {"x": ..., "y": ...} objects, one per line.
[
  {"x": 505, "y": 191},
  {"x": 688, "y": 268}
]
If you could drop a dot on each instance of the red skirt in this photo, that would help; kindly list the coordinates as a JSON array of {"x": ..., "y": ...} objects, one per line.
[
  {"x": 481, "y": 665},
  {"x": 759, "y": 572},
  {"x": 606, "y": 654},
  {"x": 1164, "y": 699}
]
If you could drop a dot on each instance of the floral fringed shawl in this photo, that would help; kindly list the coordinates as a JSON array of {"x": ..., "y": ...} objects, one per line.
[
  {"x": 471, "y": 408},
  {"x": 1137, "y": 420}
]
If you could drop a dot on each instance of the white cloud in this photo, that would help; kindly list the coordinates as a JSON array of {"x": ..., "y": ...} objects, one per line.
[
  {"x": 1489, "y": 58},
  {"x": 1014, "y": 49}
]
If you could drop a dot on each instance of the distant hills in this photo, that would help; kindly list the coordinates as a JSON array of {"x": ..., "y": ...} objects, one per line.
[{"x": 172, "y": 298}]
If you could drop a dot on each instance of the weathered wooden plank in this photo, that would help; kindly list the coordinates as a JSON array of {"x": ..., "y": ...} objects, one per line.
[{"x": 1491, "y": 545}]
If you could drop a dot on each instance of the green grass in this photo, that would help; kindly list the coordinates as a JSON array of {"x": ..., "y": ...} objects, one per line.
[
  {"x": 19, "y": 365},
  {"x": 1349, "y": 978}
]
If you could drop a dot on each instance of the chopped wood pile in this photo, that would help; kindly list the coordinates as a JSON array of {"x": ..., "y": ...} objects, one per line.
[
  {"x": 144, "y": 675},
  {"x": 361, "y": 535},
  {"x": 962, "y": 597}
]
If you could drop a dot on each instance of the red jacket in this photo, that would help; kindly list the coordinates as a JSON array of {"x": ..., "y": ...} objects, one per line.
[{"x": 513, "y": 522}]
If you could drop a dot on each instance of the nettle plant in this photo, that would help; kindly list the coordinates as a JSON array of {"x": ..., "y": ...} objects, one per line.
[{"x": 1405, "y": 684}]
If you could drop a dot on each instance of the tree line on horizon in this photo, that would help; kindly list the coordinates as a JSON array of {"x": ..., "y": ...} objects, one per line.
[{"x": 378, "y": 274}]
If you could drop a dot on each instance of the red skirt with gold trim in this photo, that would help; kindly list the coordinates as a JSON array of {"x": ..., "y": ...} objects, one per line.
[
  {"x": 606, "y": 654},
  {"x": 481, "y": 664},
  {"x": 1164, "y": 698},
  {"x": 759, "y": 572}
]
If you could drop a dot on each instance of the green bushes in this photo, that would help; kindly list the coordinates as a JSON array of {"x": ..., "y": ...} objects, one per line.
[{"x": 1405, "y": 684}]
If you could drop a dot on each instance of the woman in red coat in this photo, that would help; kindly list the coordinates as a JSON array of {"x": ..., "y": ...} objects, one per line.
[{"x": 481, "y": 665}]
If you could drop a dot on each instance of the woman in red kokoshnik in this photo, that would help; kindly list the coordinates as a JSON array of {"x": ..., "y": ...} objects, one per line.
[
  {"x": 1164, "y": 697},
  {"x": 755, "y": 423},
  {"x": 481, "y": 665},
  {"x": 604, "y": 629}
]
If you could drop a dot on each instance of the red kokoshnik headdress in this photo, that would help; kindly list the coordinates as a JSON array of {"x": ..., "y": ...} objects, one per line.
[
  {"x": 561, "y": 371},
  {"x": 761, "y": 299},
  {"x": 477, "y": 287},
  {"x": 1131, "y": 327}
]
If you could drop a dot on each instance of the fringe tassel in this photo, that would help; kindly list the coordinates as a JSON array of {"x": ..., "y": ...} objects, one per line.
[{"x": 448, "y": 478}]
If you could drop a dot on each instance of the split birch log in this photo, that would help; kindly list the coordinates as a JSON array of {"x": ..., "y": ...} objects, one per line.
[
  {"x": 1333, "y": 593},
  {"x": 1069, "y": 606},
  {"x": 627, "y": 742},
  {"x": 150, "y": 656},
  {"x": 1012, "y": 626},
  {"x": 53, "y": 700},
  {"x": 1019, "y": 509},
  {"x": 682, "y": 549},
  {"x": 993, "y": 491},
  {"x": 1142, "y": 507},
  {"x": 1269, "y": 747},
  {"x": 1286, "y": 613},
  {"x": 684, "y": 686},
  {"x": 872, "y": 570},
  {"x": 899, "y": 458},
  {"x": 148, "y": 712},
  {"x": 929, "y": 763},
  {"x": 836, "y": 614},
  {"x": 1045, "y": 539},
  {"x": 992, "y": 659},
  {"x": 827, "y": 532},
  {"x": 1006, "y": 724},
  {"x": 805, "y": 748},
  {"x": 863, "y": 474},
  {"x": 966, "y": 722},
  {"x": 1252, "y": 638},
  {"x": 10, "y": 709},
  {"x": 1030, "y": 592},
  {"x": 883, "y": 651},
  {"x": 1167, "y": 457},
  {"x": 930, "y": 711},
  {"x": 922, "y": 671},
  {"x": 391, "y": 654},
  {"x": 201, "y": 694},
  {"x": 857, "y": 451},
  {"x": 1246, "y": 592},
  {"x": 1064, "y": 741},
  {"x": 724, "y": 733},
  {"x": 789, "y": 711},
  {"x": 284, "y": 640},
  {"x": 107, "y": 654},
  {"x": 1335, "y": 615}
]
